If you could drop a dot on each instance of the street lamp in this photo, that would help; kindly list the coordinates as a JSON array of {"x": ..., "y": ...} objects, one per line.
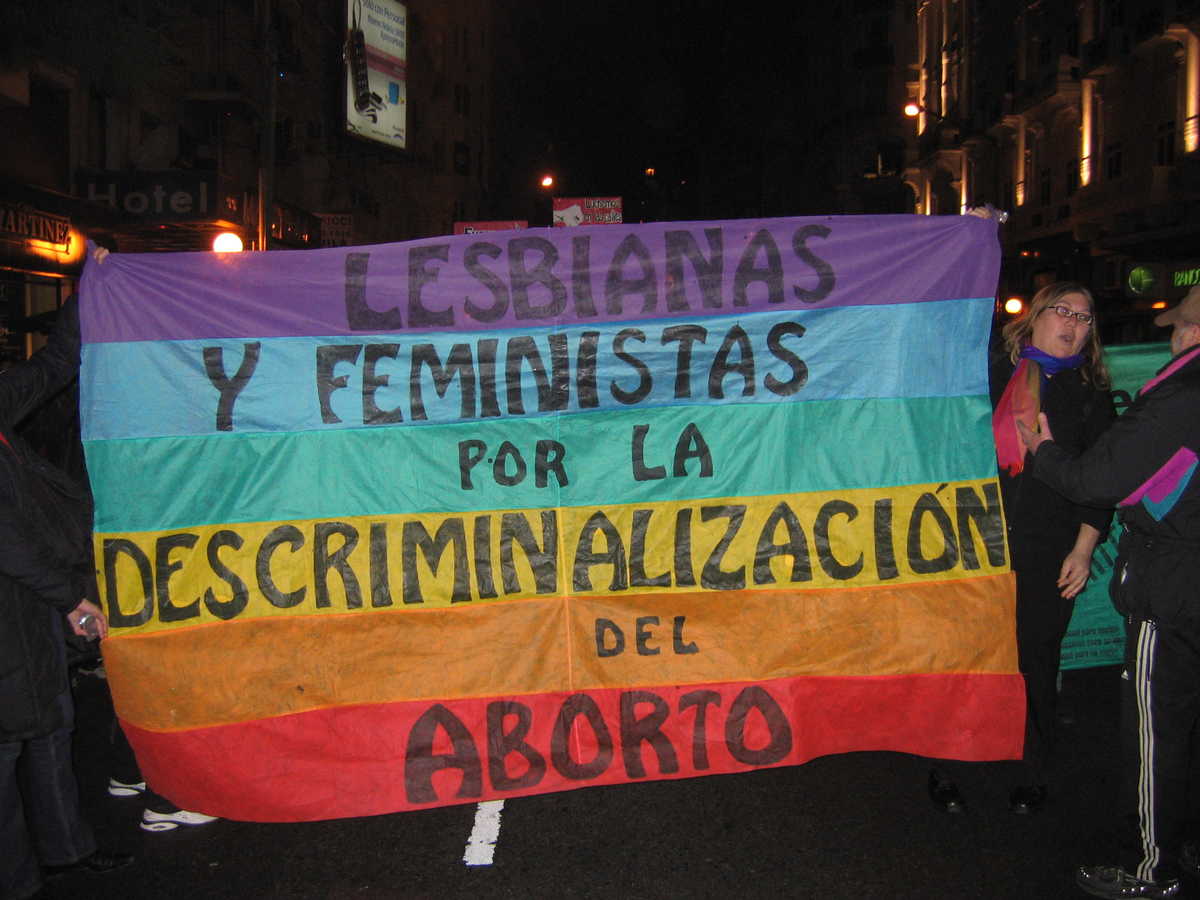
[
  {"x": 227, "y": 242},
  {"x": 547, "y": 181}
]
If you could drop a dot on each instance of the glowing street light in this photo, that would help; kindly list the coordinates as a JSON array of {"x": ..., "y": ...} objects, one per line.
[
  {"x": 1013, "y": 305},
  {"x": 227, "y": 242},
  {"x": 547, "y": 181},
  {"x": 912, "y": 110}
]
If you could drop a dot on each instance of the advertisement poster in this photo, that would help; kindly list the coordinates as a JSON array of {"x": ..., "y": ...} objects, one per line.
[
  {"x": 376, "y": 52},
  {"x": 572, "y": 211}
]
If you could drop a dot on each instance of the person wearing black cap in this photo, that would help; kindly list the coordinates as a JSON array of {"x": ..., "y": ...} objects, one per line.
[{"x": 1148, "y": 466}]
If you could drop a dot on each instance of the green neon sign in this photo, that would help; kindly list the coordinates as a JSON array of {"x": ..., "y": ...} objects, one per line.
[{"x": 1140, "y": 280}]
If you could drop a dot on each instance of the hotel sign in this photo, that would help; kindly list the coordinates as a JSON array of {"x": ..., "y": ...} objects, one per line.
[{"x": 169, "y": 195}]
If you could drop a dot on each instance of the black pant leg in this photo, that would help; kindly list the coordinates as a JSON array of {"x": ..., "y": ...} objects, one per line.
[
  {"x": 1167, "y": 691},
  {"x": 1042, "y": 619}
]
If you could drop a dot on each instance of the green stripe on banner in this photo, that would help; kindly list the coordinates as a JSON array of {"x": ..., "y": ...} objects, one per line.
[
  {"x": 629, "y": 456},
  {"x": 1096, "y": 636}
]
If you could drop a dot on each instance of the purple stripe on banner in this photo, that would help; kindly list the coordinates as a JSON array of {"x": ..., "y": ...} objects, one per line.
[{"x": 542, "y": 277}]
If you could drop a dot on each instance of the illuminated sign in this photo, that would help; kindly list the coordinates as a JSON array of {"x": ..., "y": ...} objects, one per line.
[
  {"x": 491, "y": 225},
  {"x": 571, "y": 211},
  {"x": 1160, "y": 280},
  {"x": 23, "y": 221},
  {"x": 1185, "y": 277},
  {"x": 169, "y": 195},
  {"x": 1141, "y": 280},
  {"x": 376, "y": 56}
]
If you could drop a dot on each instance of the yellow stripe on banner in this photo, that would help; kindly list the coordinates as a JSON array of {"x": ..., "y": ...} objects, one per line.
[
  {"x": 855, "y": 538},
  {"x": 261, "y": 668}
]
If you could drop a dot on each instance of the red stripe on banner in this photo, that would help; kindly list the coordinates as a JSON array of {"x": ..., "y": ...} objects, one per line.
[{"x": 381, "y": 758}]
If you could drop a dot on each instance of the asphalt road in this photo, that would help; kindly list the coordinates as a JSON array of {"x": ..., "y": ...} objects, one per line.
[{"x": 851, "y": 826}]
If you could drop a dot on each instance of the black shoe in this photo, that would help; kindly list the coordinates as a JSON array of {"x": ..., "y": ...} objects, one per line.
[
  {"x": 99, "y": 863},
  {"x": 1027, "y": 798},
  {"x": 945, "y": 795},
  {"x": 1116, "y": 883}
]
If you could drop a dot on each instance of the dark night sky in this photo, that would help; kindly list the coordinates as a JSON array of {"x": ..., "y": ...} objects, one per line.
[{"x": 606, "y": 91}]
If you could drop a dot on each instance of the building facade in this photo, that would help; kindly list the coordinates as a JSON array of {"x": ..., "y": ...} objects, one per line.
[
  {"x": 157, "y": 126},
  {"x": 1079, "y": 118}
]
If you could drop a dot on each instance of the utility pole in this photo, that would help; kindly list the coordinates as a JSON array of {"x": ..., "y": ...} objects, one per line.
[{"x": 266, "y": 137}]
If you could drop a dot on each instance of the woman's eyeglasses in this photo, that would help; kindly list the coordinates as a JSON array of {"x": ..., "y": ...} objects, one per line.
[{"x": 1067, "y": 313}]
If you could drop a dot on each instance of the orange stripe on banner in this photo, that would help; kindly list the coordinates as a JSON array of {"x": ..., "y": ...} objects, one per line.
[
  {"x": 957, "y": 626},
  {"x": 256, "y": 669},
  {"x": 373, "y": 759}
]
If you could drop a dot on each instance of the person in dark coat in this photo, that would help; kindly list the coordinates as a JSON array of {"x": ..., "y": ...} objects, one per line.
[
  {"x": 46, "y": 576},
  {"x": 1148, "y": 465},
  {"x": 1051, "y": 363}
]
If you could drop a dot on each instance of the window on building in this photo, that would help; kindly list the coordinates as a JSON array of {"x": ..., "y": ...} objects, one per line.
[
  {"x": 462, "y": 99},
  {"x": 1164, "y": 144},
  {"x": 1044, "y": 187},
  {"x": 1071, "y": 40},
  {"x": 1045, "y": 50},
  {"x": 1114, "y": 13},
  {"x": 1072, "y": 176},
  {"x": 1112, "y": 161},
  {"x": 462, "y": 158}
]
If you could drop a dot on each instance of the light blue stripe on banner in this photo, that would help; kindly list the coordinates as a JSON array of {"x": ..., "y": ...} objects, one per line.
[{"x": 160, "y": 389}]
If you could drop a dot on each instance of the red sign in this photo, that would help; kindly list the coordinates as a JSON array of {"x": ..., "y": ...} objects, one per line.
[
  {"x": 569, "y": 211},
  {"x": 476, "y": 227}
]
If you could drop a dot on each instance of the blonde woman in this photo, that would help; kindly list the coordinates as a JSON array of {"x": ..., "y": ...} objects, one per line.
[{"x": 1052, "y": 363}]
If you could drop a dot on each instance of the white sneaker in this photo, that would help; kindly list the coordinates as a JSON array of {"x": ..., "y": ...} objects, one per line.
[
  {"x": 125, "y": 789},
  {"x": 168, "y": 821}
]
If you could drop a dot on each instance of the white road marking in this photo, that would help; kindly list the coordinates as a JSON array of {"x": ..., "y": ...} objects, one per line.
[{"x": 481, "y": 845}]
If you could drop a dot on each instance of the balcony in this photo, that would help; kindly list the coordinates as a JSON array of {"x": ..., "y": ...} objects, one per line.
[
  {"x": 1148, "y": 26},
  {"x": 1056, "y": 83},
  {"x": 1102, "y": 55}
]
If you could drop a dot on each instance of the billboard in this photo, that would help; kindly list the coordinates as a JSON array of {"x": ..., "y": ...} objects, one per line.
[
  {"x": 376, "y": 56},
  {"x": 570, "y": 211}
]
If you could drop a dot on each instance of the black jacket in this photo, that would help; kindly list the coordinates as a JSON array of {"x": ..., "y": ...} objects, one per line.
[
  {"x": 45, "y": 566},
  {"x": 1040, "y": 520},
  {"x": 1157, "y": 573}
]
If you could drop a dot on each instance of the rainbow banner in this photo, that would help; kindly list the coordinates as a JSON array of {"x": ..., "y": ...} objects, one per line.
[{"x": 390, "y": 527}]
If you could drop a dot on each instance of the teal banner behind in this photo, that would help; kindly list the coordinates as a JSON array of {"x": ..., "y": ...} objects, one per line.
[{"x": 1096, "y": 636}]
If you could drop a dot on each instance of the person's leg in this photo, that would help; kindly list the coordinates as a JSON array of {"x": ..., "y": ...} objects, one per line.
[
  {"x": 1042, "y": 619},
  {"x": 20, "y": 875},
  {"x": 1167, "y": 685},
  {"x": 124, "y": 776},
  {"x": 60, "y": 834}
]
